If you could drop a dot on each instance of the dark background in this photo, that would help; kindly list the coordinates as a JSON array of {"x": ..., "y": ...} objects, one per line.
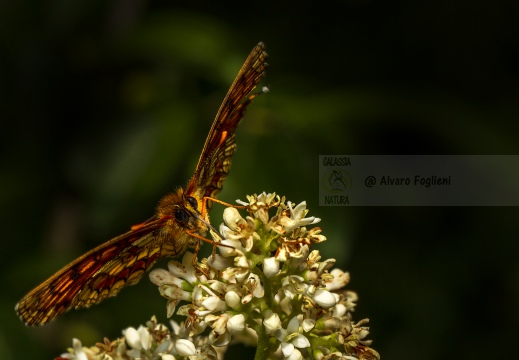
[{"x": 105, "y": 106}]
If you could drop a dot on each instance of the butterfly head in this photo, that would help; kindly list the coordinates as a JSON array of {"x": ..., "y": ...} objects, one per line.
[{"x": 184, "y": 210}]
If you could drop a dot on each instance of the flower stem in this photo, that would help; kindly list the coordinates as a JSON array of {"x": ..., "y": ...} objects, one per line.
[{"x": 263, "y": 344}]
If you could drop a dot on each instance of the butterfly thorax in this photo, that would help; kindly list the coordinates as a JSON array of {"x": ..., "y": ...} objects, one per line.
[{"x": 184, "y": 217}]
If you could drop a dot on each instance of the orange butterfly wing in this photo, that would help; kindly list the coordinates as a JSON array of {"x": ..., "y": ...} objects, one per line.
[
  {"x": 215, "y": 161},
  {"x": 98, "y": 274},
  {"x": 122, "y": 261}
]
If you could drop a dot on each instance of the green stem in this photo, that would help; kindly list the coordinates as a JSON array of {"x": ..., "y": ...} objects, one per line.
[{"x": 263, "y": 344}]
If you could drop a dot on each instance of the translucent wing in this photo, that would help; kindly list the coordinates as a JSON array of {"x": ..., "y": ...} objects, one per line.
[
  {"x": 215, "y": 162},
  {"x": 98, "y": 274}
]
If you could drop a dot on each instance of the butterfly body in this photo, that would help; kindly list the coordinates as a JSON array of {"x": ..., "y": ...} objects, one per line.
[{"x": 181, "y": 220}]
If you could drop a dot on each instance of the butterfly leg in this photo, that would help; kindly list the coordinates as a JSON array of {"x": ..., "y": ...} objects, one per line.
[{"x": 212, "y": 242}]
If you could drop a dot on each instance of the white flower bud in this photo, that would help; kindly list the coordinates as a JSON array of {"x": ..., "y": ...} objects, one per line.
[
  {"x": 213, "y": 303},
  {"x": 132, "y": 338},
  {"x": 232, "y": 299},
  {"x": 271, "y": 322},
  {"x": 339, "y": 310},
  {"x": 270, "y": 266},
  {"x": 231, "y": 217},
  {"x": 185, "y": 347},
  {"x": 324, "y": 298},
  {"x": 236, "y": 323}
]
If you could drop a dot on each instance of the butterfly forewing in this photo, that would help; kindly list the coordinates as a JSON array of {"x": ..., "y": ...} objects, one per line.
[
  {"x": 122, "y": 261},
  {"x": 215, "y": 161}
]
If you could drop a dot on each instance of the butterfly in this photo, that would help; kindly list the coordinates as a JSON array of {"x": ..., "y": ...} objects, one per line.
[{"x": 180, "y": 220}]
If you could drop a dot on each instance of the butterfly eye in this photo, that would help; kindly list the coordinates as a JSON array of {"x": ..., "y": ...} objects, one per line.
[
  {"x": 192, "y": 201},
  {"x": 181, "y": 215}
]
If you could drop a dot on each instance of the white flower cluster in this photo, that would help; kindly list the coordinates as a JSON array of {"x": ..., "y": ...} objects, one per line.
[
  {"x": 266, "y": 287},
  {"x": 267, "y": 281},
  {"x": 151, "y": 342}
]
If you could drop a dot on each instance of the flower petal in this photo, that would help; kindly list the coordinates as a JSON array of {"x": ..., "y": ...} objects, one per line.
[
  {"x": 308, "y": 324},
  {"x": 145, "y": 337},
  {"x": 161, "y": 276},
  {"x": 132, "y": 338},
  {"x": 287, "y": 349},
  {"x": 78, "y": 350},
  {"x": 340, "y": 279},
  {"x": 296, "y": 355},
  {"x": 300, "y": 341},
  {"x": 293, "y": 325}
]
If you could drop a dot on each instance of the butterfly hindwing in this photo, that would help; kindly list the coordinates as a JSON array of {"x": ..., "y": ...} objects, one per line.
[{"x": 98, "y": 274}]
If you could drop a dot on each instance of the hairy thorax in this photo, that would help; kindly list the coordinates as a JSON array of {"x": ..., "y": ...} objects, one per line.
[{"x": 184, "y": 218}]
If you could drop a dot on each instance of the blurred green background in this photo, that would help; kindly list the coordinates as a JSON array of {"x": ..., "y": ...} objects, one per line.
[{"x": 105, "y": 106}]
